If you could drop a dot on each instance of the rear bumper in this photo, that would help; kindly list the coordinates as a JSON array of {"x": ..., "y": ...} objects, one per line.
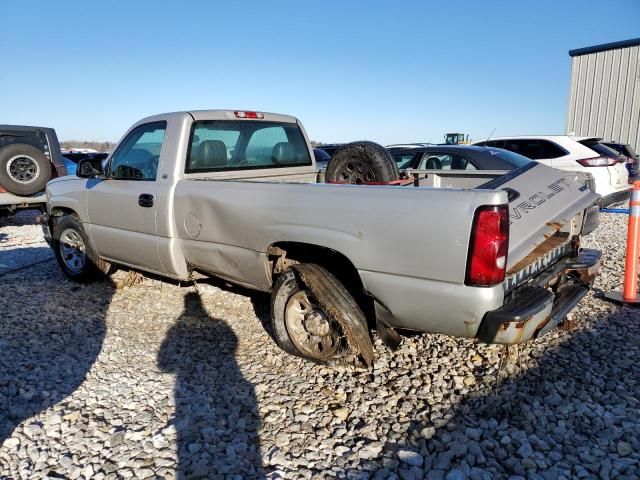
[
  {"x": 534, "y": 309},
  {"x": 13, "y": 202},
  {"x": 615, "y": 197}
]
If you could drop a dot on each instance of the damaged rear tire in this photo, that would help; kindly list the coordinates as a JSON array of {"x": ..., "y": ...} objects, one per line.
[{"x": 314, "y": 316}]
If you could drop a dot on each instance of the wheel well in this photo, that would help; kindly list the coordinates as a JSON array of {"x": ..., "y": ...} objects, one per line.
[
  {"x": 281, "y": 255},
  {"x": 57, "y": 213},
  {"x": 60, "y": 211}
]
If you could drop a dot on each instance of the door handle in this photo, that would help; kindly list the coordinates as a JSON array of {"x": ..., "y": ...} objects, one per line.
[{"x": 145, "y": 200}]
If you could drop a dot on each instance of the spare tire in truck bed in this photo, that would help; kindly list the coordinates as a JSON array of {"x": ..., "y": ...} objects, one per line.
[
  {"x": 362, "y": 162},
  {"x": 24, "y": 170}
]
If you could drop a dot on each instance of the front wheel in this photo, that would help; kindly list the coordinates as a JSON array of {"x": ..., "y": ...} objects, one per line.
[{"x": 74, "y": 253}]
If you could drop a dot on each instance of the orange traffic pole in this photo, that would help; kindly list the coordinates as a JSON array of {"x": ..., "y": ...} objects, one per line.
[{"x": 630, "y": 287}]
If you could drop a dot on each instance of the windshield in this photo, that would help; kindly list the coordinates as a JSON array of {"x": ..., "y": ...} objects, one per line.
[
  {"x": 222, "y": 145},
  {"x": 404, "y": 158}
]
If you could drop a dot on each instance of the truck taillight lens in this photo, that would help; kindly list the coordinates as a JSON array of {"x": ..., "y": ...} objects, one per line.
[
  {"x": 487, "y": 261},
  {"x": 597, "y": 162}
]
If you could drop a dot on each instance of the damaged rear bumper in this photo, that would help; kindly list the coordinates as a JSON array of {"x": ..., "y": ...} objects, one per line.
[{"x": 534, "y": 309}]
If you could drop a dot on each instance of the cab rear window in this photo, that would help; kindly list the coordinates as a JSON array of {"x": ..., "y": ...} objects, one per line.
[{"x": 242, "y": 145}]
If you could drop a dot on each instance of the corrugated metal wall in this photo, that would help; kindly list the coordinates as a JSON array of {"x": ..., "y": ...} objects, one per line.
[{"x": 604, "y": 100}]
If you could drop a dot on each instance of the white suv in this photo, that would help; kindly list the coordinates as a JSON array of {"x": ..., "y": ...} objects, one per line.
[{"x": 566, "y": 152}]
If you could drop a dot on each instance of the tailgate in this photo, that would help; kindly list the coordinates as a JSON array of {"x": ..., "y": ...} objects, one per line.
[{"x": 542, "y": 202}]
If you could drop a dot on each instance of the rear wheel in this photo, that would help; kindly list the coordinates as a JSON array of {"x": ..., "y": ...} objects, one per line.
[
  {"x": 24, "y": 170},
  {"x": 74, "y": 253},
  {"x": 309, "y": 327},
  {"x": 362, "y": 162}
]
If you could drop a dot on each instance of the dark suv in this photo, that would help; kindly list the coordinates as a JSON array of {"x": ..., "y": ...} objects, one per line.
[{"x": 29, "y": 158}]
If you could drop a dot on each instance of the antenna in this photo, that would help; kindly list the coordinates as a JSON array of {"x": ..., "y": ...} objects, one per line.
[{"x": 490, "y": 135}]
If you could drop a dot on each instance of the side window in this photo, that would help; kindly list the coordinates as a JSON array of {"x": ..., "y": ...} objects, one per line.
[
  {"x": 528, "y": 148},
  {"x": 434, "y": 161},
  {"x": 551, "y": 150},
  {"x": 137, "y": 156},
  {"x": 458, "y": 162}
]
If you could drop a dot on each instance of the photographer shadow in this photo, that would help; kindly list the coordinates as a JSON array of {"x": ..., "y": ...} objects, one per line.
[{"x": 216, "y": 411}]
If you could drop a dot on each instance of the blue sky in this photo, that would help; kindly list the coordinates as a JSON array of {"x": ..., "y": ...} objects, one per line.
[{"x": 383, "y": 71}]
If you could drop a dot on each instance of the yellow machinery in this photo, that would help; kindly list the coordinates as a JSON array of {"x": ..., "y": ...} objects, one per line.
[{"x": 456, "y": 138}]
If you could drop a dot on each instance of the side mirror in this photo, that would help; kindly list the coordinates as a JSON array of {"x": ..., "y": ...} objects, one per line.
[{"x": 89, "y": 168}]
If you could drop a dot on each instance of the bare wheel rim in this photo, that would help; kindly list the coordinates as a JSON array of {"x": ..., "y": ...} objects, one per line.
[
  {"x": 72, "y": 250},
  {"x": 23, "y": 169},
  {"x": 310, "y": 329},
  {"x": 356, "y": 171}
]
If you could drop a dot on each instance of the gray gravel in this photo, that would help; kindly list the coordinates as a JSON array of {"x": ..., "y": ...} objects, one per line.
[{"x": 160, "y": 380}]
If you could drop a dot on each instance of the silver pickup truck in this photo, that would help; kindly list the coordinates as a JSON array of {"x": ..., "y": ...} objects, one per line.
[{"x": 493, "y": 255}]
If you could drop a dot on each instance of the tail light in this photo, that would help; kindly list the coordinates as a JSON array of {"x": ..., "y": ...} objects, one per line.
[
  {"x": 598, "y": 162},
  {"x": 249, "y": 114},
  {"x": 487, "y": 260}
]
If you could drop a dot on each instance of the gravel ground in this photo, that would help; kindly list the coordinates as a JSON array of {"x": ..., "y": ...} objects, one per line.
[{"x": 160, "y": 380}]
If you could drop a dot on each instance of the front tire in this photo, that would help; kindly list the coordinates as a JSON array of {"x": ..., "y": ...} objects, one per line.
[{"x": 74, "y": 253}]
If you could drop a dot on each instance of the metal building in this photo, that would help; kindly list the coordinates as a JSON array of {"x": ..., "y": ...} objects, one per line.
[{"x": 604, "y": 97}]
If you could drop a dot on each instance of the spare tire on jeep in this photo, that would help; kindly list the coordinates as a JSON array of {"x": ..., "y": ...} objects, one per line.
[
  {"x": 362, "y": 162},
  {"x": 24, "y": 170}
]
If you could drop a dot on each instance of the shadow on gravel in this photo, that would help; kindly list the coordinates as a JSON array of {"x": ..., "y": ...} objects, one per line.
[
  {"x": 51, "y": 332},
  {"x": 19, "y": 258},
  {"x": 216, "y": 418},
  {"x": 260, "y": 301},
  {"x": 574, "y": 414}
]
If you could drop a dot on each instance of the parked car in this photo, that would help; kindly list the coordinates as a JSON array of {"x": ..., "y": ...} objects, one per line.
[
  {"x": 73, "y": 157},
  {"x": 29, "y": 157},
  {"x": 409, "y": 145},
  {"x": 334, "y": 257},
  {"x": 321, "y": 157},
  {"x": 633, "y": 159},
  {"x": 456, "y": 157},
  {"x": 580, "y": 154},
  {"x": 330, "y": 148}
]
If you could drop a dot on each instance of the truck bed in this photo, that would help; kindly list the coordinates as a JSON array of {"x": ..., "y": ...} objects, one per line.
[{"x": 226, "y": 226}]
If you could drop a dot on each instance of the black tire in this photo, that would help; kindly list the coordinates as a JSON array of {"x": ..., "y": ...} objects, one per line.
[
  {"x": 335, "y": 298},
  {"x": 362, "y": 162},
  {"x": 92, "y": 268},
  {"x": 24, "y": 170}
]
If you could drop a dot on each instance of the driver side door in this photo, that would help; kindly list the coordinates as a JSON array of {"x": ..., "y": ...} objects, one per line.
[{"x": 122, "y": 206}]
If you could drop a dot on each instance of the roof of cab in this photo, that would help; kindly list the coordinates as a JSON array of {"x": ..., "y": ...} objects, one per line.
[{"x": 220, "y": 115}]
